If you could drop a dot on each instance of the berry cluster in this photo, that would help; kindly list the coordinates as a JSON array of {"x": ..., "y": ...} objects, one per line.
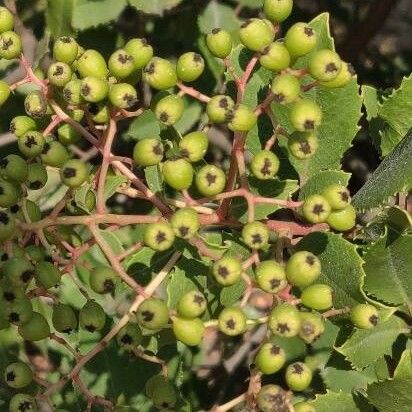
[{"x": 80, "y": 99}]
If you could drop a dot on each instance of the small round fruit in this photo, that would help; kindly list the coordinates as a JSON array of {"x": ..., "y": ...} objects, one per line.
[
  {"x": 164, "y": 396},
  {"x": 242, "y": 119},
  {"x": 37, "y": 176},
  {"x": 255, "y": 235},
  {"x": 264, "y": 165},
  {"x": 194, "y": 146},
  {"x": 100, "y": 112},
  {"x": 284, "y": 320},
  {"x": 160, "y": 74},
  {"x": 141, "y": 52},
  {"x": 219, "y": 42},
  {"x": 7, "y": 226},
  {"x": 31, "y": 144},
  {"x": 191, "y": 305},
  {"x": 272, "y": 398},
  {"x": 19, "y": 271},
  {"x": 148, "y": 152},
  {"x": 123, "y": 95},
  {"x": 185, "y": 223},
  {"x": 59, "y": 74},
  {"x": 65, "y": 49},
  {"x": 188, "y": 331},
  {"x": 256, "y": 34},
  {"x": 311, "y": 326},
  {"x": 303, "y": 407},
  {"x": 18, "y": 375},
  {"x": 35, "y": 329},
  {"x": 324, "y": 65},
  {"x": 21, "y": 125},
  {"x": 4, "y": 92},
  {"x": 94, "y": 89},
  {"x": 13, "y": 167},
  {"x": 318, "y": 297},
  {"x": 47, "y": 275},
  {"x": 35, "y": 104},
  {"x": 190, "y": 66},
  {"x": 227, "y": 270},
  {"x": 275, "y": 57},
  {"x": 303, "y": 146},
  {"x": 121, "y": 64},
  {"x": 298, "y": 376},
  {"x": 153, "y": 314},
  {"x": 9, "y": 194},
  {"x": 300, "y": 39},
  {"x": 103, "y": 279},
  {"x": 129, "y": 337},
  {"x": 169, "y": 109},
  {"x": 64, "y": 318},
  {"x": 10, "y": 45},
  {"x": 302, "y": 269},
  {"x": 270, "y": 358},
  {"x": 364, "y": 316},
  {"x": 232, "y": 321},
  {"x": 285, "y": 88},
  {"x": 72, "y": 92},
  {"x": 305, "y": 115},
  {"x": 210, "y": 180},
  {"x": 33, "y": 212},
  {"x": 219, "y": 108},
  {"x": 67, "y": 135},
  {"x": 92, "y": 63},
  {"x": 316, "y": 209},
  {"x": 342, "y": 220},
  {"x": 344, "y": 76},
  {"x": 92, "y": 316},
  {"x": 22, "y": 402},
  {"x": 277, "y": 10},
  {"x": 178, "y": 173},
  {"x": 19, "y": 311},
  {"x": 54, "y": 154},
  {"x": 6, "y": 20},
  {"x": 74, "y": 173},
  {"x": 159, "y": 236},
  {"x": 270, "y": 276},
  {"x": 338, "y": 196}
]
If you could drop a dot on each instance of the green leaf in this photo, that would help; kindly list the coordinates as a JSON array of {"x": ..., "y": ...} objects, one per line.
[
  {"x": 370, "y": 101},
  {"x": 114, "y": 243},
  {"x": 146, "y": 125},
  {"x": 253, "y": 4},
  {"x": 111, "y": 184},
  {"x": 334, "y": 402},
  {"x": 217, "y": 15},
  {"x": 154, "y": 6},
  {"x": 214, "y": 64},
  {"x": 392, "y": 176},
  {"x": 92, "y": 13},
  {"x": 190, "y": 117},
  {"x": 345, "y": 380},
  {"x": 154, "y": 178},
  {"x": 59, "y": 17}
]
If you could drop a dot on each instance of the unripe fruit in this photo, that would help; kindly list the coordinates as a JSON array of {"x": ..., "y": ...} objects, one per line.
[
  {"x": 19, "y": 311},
  {"x": 64, "y": 318},
  {"x": 103, "y": 279},
  {"x": 35, "y": 329},
  {"x": 300, "y": 39},
  {"x": 227, "y": 270},
  {"x": 344, "y": 76},
  {"x": 188, "y": 331},
  {"x": 185, "y": 223},
  {"x": 160, "y": 74},
  {"x": 67, "y": 135},
  {"x": 54, "y": 154},
  {"x": 264, "y": 165},
  {"x": 148, "y": 152},
  {"x": 219, "y": 108},
  {"x": 275, "y": 57},
  {"x": 277, "y": 10},
  {"x": 190, "y": 66},
  {"x": 92, "y": 316},
  {"x": 7, "y": 226},
  {"x": 159, "y": 236},
  {"x": 18, "y": 375},
  {"x": 123, "y": 95},
  {"x": 192, "y": 305},
  {"x": 316, "y": 209},
  {"x": 129, "y": 337},
  {"x": 121, "y": 64},
  {"x": 232, "y": 321},
  {"x": 194, "y": 146},
  {"x": 6, "y": 20},
  {"x": 311, "y": 326},
  {"x": 18, "y": 271},
  {"x": 302, "y": 269},
  {"x": 255, "y": 235},
  {"x": 338, "y": 196},
  {"x": 35, "y": 104},
  {"x": 364, "y": 316},
  {"x": 22, "y": 402},
  {"x": 33, "y": 212},
  {"x": 74, "y": 173},
  {"x": 242, "y": 119},
  {"x": 342, "y": 220},
  {"x": 169, "y": 109},
  {"x": 284, "y": 320},
  {"x": 164, "y": 395},
  {"x": 9, "y": 195},
  {"x": 210, "y": 180},
  {"x": 21, "y": 125},
  {"x": 219, "y": 42},
  {"x": 10, "y": 45},
  {"x": 72, "y": 92},
  {"x": 318, "y": 297},
  {"x": 94, "y": 89},
  {"x": 270, "y": 276},
  {"x": 285, "y": 88},
  {"x": 36, "y": 177},
  {"x": 141, "y": 52},
  {"x": 270, "y": 358},
  {"x": 153, "y": 314},
  {"x": 303, "y": 146},
  {"x": 31, "y": 144},
  {"x": 4, "y": 92},
  {"x": 47, "y": 275},
  {"x": 256, "y": 34},
  {"x": 13, "y": 167},
  {"x": 298, "y": 376},
  {"x": 100, "y": 112},
  {"x": 305, "y": 115},
  {"x": 59, "y": 74},
  {"x": 9, "y": 292},
  {"x": 92, "y": 63},
  {"x": 178, "y": 173},
  {"x": 304, "y": 407},
  {"x": 271, "y": 398},
  {"x": 324, "y": 65},
  {"x": 65, "y": 49}
]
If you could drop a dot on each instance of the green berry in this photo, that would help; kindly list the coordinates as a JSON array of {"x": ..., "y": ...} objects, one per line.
[
  {"x": 169, "y": 109},
  {"x": 67, "y": 135},
  {"x": 264, "y": 165},
  {"x": 316, "y": 209},
  {"x": 159, "y": 236},
  {"x": 9, "y": 194},
  {"x": 275, "y": 57},
  {"x": 22, "y": 402},
  {"x": 100, "y": 112},
  {"x": 190, "y": 66},
  {"x": 270, "y": 276},
  {"x": 277, "y": 10},
  {"x": 65, "y": 49},
  {"x": 164, "y": 395},
  {"x": 219, "y": 42},
  {"x": 74, "y": 173},
  {"x": 284, "y": 320},
  {"x": 242, "y": 119},
  {"x": 64, "y": 318},
  {"x": 13, "y": 167},
  {"x": 21, "y": 125},
  {"x": 256, "y": 34},
  {"x": 54, "y": 154},
  {"x": 94, "y": 89},
  {"x": 302, "y": 269},
  {"x": 270, "y": 358},
  {"x": 103, "y": 279},
  {"x": 160, "y": 74},
  {"x": 59, "y": 74},
  {"x": 123, "y": 95},
  {"x": 338, "y": 196},
  {"x": 18, "y": 271},
  {"x": 298, "y": 376},
  {"x": 31, "y": 144},
  {"x": 303, "y": 146},
  {"x": 178, "y": 173},
  {"x": 364, "y": 316},
  {"x": 35, "y": 329},
  {"x": 318, "y": 297},
  {"x": 92, "y": 316},
  {"x": 272, "y": 398},
  {"x": 219, "y": 108},
  {"x": 141, "y": 52},
  {"x": 10, "y": 45},
  {"x": 324, "y": 65},
  {"x": 285, "y": 88},
  {"x": 18, "y": 374},
  {"x": 300, "y": 39},
  {"x": 4, "y": 92},
  {"x": 72, "y": 92},
  {"x": 344, "y": 76},
  {"x": 305, "y": 115},
  {"x": 185, "y": 223},
  {"x": 148, "y": 152},
  {"x": 7, "y": 226},
  {"x": 227, "y": 270},
  {"x": 129, "y": 337},
  {"x": 33, "y": 212},
  {"x": 311, "y": 326},
  {"x": 192, "y": 305},
  {"x": 194, "y": 146},
  {"x": 210, "y": 180},
  {"x": 342, "y": 220},
  {"x": 121, "y": 64},
  {"x": 6, "y": 20},
  {"x": 153, "y": 314},
  {"x": 35, "y": 104},
  {"x": 304, "y": 407},
  {"x": 37, "y": 176},
  {"x": 9, "y": 292},
  {"x": 188, "y": 331},
  {"x": 47, "y": 275},
  {"x": 19, "y": 311},
  {"x": 232, "y": 321},
  {"x": 92, "y": 64},
  {"x": 255, "y": 235}
]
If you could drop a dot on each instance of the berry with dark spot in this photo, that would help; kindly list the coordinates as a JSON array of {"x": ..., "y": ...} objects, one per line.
[
  {"x": 227, "y": 270},
  {"x": 153, "y": 314},
  {"x": 14, "y": 168},
  {"x": 59, "y": 74},
  {"x": 21, "y": 125},
  {"x": 275, "y": 57},
  {"x": 285, "y": 88},
  {"x": 305, "y": 115},
  {"x": 316, "y": 209},
  {"x": 92, "y": 316},
  {"x": 65, "y": 49},
  {"x": 94, "y": 89},
  {"x": 162, "y": 392},
  {"x": 192, "y": 305},
  {"x": 311, "y": 326},
  {"x": 47, "y": 275},
  {"x": 35, "y": 104},
  {"x": 160, "y": 74},
  {"x": 178, "y": 173},
  {"x": 264, "y": 165},
  {"x": 193, "y": 146},
  {"x": 103, "y": 279},
  {"x": 241, "y": 119},
  {"x": 300, "y": 39},
  {"x": 54, "y": 154},
  {"x": 129, "y": 337},
  {"x": 302, "y": 269},
  {"x": 284, "y": 320},
  {"x": 159, "y": 236},
  {"x": 7, "y": 226},
  {"x": 19, "y": 311},
  {"x": 303, "y": 146},
  {"x": 256, "y": 34},
  {"x": 37, "y": 176},
  {"x": 277, "y": 10},
  {"x": 324, "y": 65},
  {"x": 121, "y": 64},
  {"x": 74, "y": 173},
  {"x": 123, "y": 95},
  {"x": 210, "y": 180},
  {"x": 318, "y": 297},
  {"x": 270, "y": 276},
  {"x": 169, "y": 109},
  {"x": 10, "y": 45},
  {"x": 140, "y": 50},
  {"x": 270, "y": 358},
  {"x": 18, "y": 271},
  {"x": 185, "y": 223},
  {"x": 18, "y": 375},
  {"x": 344, "y": 76},
  {"x": 148, "y": 152},
  {"x": 364, "y": 316},
  {"x": 22, "y": 402},
  {"x": 219, "y": 108},
  {"x": 255, "y": 235},
  {"x": 188, "y": 331},
  {"x": 272, "y": 398},
  {"x": 64, "y": 318},
  {"x": 338, "y": 196},
  {"x": 190, "y": 66},
  {"x": 232, "y": 321},
  {"x": 298, "y": 376},
  {"x": 72, "y": 92},
  {"x": 219, "y": 42},
  {"x": 35, "y": 329}
]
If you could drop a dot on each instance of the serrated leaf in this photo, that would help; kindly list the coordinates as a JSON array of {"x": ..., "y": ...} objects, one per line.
[
  {"x": 59, "y": 17},
  {"x": 345, "y": 380},
  {"x": 154, "y": 6},
  {"x": 320, "y": 181},
  {"x": 143, "y": 126},
  {"x": 334, "y": 402},
  {"x": 154, "y": 178},
  {"x": 217, "y": 15},
  {"x": 111, "y": 184},
  {"x": 392, "y": 176}
]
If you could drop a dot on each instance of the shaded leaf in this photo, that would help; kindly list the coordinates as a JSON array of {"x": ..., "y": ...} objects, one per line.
[
  {"x": 154, "y": 6},
  {"x": 320, "y": 181},
  {"x": 59, "y": 17},
  {"x": 143, "y": 126},
  {"x": 217, "y": 15}
]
